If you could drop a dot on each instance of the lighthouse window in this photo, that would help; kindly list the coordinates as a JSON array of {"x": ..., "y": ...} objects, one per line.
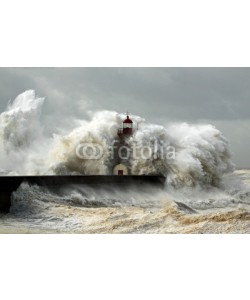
[{"x": 127, "y": 125}]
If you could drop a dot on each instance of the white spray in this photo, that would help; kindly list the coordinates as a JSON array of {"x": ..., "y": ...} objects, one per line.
[{"x": 201, "y": 153}]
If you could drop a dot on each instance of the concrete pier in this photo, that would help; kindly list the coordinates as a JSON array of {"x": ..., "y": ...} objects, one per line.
[{"x": 5, "y": 201}]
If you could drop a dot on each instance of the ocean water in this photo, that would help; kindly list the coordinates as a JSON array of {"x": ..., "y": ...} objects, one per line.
[
  {"x": 203, "y": 193},
  {"x": 225, "y": 210}
]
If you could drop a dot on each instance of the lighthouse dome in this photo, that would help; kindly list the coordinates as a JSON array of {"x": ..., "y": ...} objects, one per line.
[{"x": 128, "y": 120}]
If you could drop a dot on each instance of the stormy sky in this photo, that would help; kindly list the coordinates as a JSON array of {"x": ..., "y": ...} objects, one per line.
[{"x": 219, "y": 96}]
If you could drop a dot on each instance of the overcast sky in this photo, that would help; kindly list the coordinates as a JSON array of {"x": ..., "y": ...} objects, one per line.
[{"x": 219, "y": 96}]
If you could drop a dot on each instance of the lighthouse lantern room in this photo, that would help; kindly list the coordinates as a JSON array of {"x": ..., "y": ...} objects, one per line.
[{"x": 127, "y": 128}]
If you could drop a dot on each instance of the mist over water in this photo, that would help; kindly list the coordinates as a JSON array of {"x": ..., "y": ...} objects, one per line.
[{"x": 199, "y": 176}]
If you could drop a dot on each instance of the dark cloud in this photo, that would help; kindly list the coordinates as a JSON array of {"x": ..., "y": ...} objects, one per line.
[{"x": 216, "y": 95}]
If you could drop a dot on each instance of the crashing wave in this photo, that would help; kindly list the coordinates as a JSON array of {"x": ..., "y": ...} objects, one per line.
[{"x": 199, "y": 153}]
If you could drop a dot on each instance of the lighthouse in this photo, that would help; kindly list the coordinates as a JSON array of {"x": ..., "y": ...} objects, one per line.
[
  {"x": 127, "y": 128},
  {"x": 122, "y": 150}
]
